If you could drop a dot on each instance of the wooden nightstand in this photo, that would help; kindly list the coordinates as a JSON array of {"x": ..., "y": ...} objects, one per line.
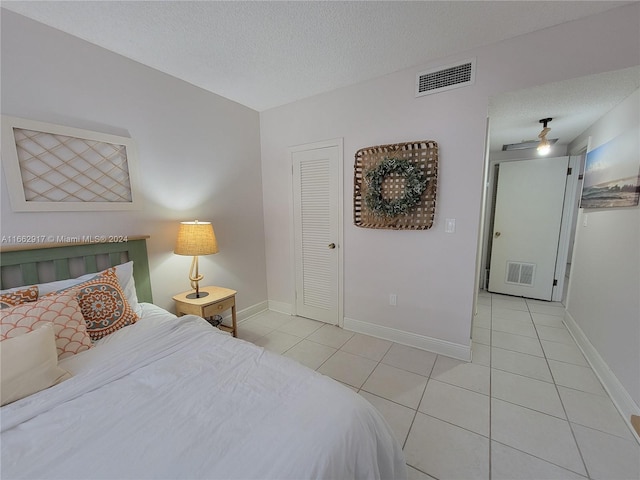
[{"x": 218, "y": 300}]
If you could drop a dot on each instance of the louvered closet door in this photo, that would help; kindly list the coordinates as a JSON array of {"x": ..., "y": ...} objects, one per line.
[{"x": 316, "y": 233}]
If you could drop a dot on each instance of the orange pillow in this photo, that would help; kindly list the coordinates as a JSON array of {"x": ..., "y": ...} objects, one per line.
[
  {"x": 104, "y": 305},
  {"x": 62, "y": 310},
  {"x": 18, "y": 297}
]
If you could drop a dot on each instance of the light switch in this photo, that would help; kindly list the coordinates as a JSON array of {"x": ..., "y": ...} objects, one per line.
[{"x": 450, "y": 225}]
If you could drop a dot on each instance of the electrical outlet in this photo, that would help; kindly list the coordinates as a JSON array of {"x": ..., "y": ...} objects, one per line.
[{"x": 393, "y": 299}]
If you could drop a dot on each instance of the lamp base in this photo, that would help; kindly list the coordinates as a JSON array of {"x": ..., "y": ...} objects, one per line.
[{"x": 197, "y": 295}]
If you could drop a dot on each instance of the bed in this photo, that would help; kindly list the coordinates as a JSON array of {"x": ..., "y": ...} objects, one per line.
[{"x": 168, "y": 397}]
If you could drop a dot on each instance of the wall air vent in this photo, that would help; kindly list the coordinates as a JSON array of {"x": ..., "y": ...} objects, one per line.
[
  {"x": 446, "y": 78},
  {"x": 520, "y": 273}
]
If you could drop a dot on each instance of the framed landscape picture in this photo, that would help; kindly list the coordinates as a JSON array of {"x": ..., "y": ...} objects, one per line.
[{"x": 612, "y": 173}]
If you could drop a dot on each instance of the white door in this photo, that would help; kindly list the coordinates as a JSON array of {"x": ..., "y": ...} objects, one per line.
[
  {"x": 526, "y": 231},
  {"x": 317, "y": 230}
]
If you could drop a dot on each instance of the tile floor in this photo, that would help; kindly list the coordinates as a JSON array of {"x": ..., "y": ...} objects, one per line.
[{"x": 527, "y": 407}]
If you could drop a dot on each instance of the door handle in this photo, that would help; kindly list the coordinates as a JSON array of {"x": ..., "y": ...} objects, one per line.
[
  {"x": 332, "y": 246},
  {"x": 497, "y": 234}
]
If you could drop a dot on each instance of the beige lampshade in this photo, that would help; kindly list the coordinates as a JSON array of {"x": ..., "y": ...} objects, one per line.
[{"x": 196, "y": 238}]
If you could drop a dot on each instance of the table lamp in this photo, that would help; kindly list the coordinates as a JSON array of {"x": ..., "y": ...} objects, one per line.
[{"x": 196, "y": 238}]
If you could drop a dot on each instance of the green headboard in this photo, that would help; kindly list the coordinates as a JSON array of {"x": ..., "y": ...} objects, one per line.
[{"x": 26, "y": 261}]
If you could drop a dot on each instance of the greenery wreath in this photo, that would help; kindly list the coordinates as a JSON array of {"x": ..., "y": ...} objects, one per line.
[{"x": 414, "y": 185}]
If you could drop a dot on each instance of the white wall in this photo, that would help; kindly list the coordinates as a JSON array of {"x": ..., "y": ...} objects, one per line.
[
  {"x": 431, "y": 272},
  {"x": 604, "y": 290},
  {"x": 199, "y": 154}
]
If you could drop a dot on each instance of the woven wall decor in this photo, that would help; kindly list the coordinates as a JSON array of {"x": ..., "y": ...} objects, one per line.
[
  {"x": 424, "y": 156},
  {"x": 58, "y": 168}
]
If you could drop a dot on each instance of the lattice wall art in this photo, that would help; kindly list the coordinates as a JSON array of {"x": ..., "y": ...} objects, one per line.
[
  {"x": 56, "y": 168},
  {"x": 395, "y": 186}
]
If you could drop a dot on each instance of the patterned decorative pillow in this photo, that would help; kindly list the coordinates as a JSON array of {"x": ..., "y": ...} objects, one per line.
[
  {"x": 18, "y": 297},
  {"x": 104, "y": 305},
  {"x": 62, "y": 310},
  {"x": 124, "y": 272}
]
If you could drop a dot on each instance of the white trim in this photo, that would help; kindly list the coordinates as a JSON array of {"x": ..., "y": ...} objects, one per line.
[
  {"x": 569, "y": 214},
  {"x": 281, "y": 307},
  {"x": 15, "y": 185},
  {"x": 478, "y": 282},
  {"x": 246, "y": 313},
  {"x": 335, "y": 142},
  {"x": 442, "y": 347},
  {"x": 618, "y": 394}
]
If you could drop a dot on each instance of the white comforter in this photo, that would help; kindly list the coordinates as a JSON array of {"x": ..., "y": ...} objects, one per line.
[{"x": 174, "y": 398}]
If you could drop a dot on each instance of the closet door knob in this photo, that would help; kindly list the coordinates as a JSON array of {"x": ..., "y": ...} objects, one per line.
[{"x": 332, "y": 246}]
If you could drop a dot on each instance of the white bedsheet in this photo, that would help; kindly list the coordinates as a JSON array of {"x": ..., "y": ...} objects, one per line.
[{"x": 175, "y": 398}]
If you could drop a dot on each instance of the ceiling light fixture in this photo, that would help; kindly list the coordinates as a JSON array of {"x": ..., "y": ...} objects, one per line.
[{"x": 544, "y": 147}]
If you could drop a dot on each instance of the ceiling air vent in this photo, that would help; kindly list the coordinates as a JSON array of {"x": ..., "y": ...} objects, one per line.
[{"x": 445, "y": 78}]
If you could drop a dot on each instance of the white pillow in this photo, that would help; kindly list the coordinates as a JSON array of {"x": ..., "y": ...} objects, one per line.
[
  {"x": 29, "y": 364},
  {"x": 124, "y": 272}
]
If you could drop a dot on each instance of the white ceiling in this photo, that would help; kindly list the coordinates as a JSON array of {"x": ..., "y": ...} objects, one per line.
[
  {"x": 265, "y": 54},
  {"x": 574, "y": 105}
]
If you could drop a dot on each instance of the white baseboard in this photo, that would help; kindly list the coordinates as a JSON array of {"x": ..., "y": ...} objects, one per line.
[
  {"x": 442, "y": 347},
  {"x": 619, "y": 395},
  {"x": 281, "y": 307},
  {"x": 245, "y": 313}
]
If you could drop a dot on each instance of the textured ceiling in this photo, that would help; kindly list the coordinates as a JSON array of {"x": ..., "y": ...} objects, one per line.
[
  {"x": 574, "y": 106},
  {"x": 264, "y": 54}
]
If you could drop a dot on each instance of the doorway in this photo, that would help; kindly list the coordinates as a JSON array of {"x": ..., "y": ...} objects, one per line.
[
  {"x": 568, "y": 209},
  {"x": 513, "y": 119},
  {"x": 317, "y": 230},
  {"x": 526, "y": 227}
]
